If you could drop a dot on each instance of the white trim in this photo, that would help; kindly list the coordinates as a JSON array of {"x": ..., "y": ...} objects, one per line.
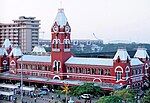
[
  {"x": 12, "y": 62},
  {"x": 56, "y": 49},
  {"x": 67, "y": 50},
  {"x": 97, "y": 79},
  {"x": 147, "y": 66},
  {"x": 4, "y": 62},
  {"x": 127, "y": 68},
  {"x": 120, "y": 68},
  {"x": 56, "y": 76}
]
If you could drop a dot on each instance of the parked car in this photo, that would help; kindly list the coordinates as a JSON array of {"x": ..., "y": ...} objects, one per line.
[{"x": 86, "y": 96}]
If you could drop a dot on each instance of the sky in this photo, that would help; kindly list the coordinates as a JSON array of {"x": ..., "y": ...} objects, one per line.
[{"x": 108, "y": 19}]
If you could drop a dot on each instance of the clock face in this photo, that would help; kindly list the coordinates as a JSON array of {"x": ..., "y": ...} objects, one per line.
[
  {"x": 55, "y": 28},
  {"x": 67, "y": 29}
]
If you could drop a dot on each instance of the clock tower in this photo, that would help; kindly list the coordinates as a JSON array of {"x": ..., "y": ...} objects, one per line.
[{"x": 60, "y": 45}]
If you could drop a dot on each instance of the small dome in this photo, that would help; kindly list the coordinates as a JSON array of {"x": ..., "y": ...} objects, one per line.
[
  {"x": 6, "y": 44},
  {"x": 39, "y": 49},
  {"x": 141, "y": 53},
  {"x": 122, "y": 54},
  {"x": 3, "y": 51},
  {"x": 16, "y": 52},
  {"x": 61, "y": 19}
]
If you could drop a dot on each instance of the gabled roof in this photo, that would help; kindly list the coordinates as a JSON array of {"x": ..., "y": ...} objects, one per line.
[
  {"x": 16, "y": 52},
  {"x": 135, "y": 61},
  {"x": 122, "y": 54},
  {"x": 35, "y": 58},
  {"x": 90, "y": 61},
  {"x": 141, "y": 53},
  {"x": 61, "y": 19},
  {"x": 6, "y": 43},
  {"x": 39, "y": 49},
  {"x": 3, "y": 51}
]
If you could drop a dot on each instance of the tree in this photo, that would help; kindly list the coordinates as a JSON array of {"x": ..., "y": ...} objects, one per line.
[
  {"x": 65, "y": 90},
  {"x": 86, "y": 88},
  {"x": 110, "y": 99},
  {"x": 127, "y": 95},
  {"x": 146, "y": 98}
]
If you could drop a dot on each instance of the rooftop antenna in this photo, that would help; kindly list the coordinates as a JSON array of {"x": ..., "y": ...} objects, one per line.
[{"x": 95, "y": 36}]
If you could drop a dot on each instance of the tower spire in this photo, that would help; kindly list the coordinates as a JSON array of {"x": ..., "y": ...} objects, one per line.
[{"x": 61, "y": 4}]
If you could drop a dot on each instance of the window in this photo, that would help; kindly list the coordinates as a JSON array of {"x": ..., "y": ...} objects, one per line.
[
  {"x": 107, "y": 72},
  {"x": 12, "y": 62},
  {"x": 100, "y": 71},
  {"x": 118, "y": 75},
  {"x": 119, "y": 71},
  {"x": 75, "y": 42},
  {"x": 146, "y": 68},
  {"x": 56, "y": 43},
  {"x": 127, "y": 70},
  {"x": 93, "y": 71},
  {"x": 56, "y": 65},
  {"x": 88, "y": 71}
]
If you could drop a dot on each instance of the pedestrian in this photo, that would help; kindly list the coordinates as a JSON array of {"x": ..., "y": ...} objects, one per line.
[
  {"x": 35, "y": 100},
  {"x": 52, "y": 97}
]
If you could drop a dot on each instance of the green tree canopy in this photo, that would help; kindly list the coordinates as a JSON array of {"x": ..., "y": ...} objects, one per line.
[
  {"x": 86, "y": 88},
  {"x": 110, "y": 99},
  {"x": 146, "y": 98},
  {"x": 127, "y": 95}
]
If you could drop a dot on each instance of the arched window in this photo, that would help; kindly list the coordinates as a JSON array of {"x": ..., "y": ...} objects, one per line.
[
  {"x": 146, "y": 68},
  {"x": 100, "y": 71},
  {"x": 66, "y": 43},
  {"x": 119, "y": 71},
  {"x": 13, "y": 63},
  {"x": 107, "y": 72},
  {"x": 93, "y": 71},
  {"x": 88, "y": 71},
  {"x": 4, "y": 62},
  {"x": 56, "y": 43},
  {"x": 127, "y": 70},
  {"x": 56, "y": 65}
]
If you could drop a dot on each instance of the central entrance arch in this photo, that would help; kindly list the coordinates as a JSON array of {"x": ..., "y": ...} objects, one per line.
[{"x": 56, "y": 77}]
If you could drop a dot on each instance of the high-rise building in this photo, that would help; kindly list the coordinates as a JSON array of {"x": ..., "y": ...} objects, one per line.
[{"x": 23, "y": 32}]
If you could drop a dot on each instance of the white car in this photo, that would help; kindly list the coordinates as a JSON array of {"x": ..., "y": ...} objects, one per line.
[{"x": 86, "y": 96}]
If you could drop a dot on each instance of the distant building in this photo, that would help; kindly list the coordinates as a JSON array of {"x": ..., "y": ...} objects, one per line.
[
  {"x": 23, "y": 32},
  {"x": 77, "y": 45},
  {"x": 87, "y": 45}
]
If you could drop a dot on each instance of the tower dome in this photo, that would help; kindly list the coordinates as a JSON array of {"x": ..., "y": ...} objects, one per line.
[{"x": 61, "y": 19}]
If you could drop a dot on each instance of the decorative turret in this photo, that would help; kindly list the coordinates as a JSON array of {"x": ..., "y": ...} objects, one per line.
[
  {"x": 14, "y": 55},
  {"x": 60, "y": 44},
  {"x": 142, "y": 54},
  {"x": 39, "y": 50},
  {"x": 7, "y": 45},
  {"x": 121, "y": 54},
  {"x": 3, "y": 60},
  {"x": 121, "y": 66}
]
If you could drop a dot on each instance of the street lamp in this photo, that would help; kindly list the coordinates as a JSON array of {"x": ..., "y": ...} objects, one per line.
[{"x": 21, "y": 81}]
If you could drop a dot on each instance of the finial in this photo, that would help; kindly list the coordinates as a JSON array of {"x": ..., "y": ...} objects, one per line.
[{"x": 60, "y": 3}]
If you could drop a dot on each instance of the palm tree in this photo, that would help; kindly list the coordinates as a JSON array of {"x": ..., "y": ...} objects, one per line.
[{"x": 65, "y": 90}]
